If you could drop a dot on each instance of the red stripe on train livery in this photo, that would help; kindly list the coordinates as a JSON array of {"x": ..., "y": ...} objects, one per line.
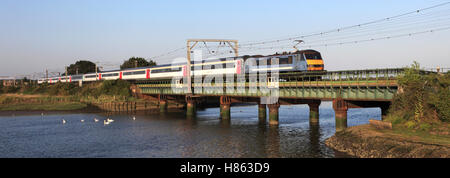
[
  {"x": 120, "y": 75},
  {"x": 238, "y": 68},
  {"x": 147, "y": 74},
  {"x": 99, "y": 76}
]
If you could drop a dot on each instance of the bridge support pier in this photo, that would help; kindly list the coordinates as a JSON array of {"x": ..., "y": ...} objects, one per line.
[
  {"x": 191, "y": 107},
  {"x": 162, "y": 103},
  {"x": 340, "y": 107},
  {"x": 273, "y": 114},
  {"x": 225, "y": 107},
  {"x": 384, "y": 111},
  {"x": 314, "y": 112},
  {"x": 262, "y": 113}
]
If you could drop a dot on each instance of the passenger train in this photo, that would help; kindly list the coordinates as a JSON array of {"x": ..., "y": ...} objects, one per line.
[{"x": 300, "y": 61}]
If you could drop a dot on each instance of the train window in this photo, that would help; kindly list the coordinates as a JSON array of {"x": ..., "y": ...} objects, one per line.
[
  {"x": 285, "y": 60},
  {"x": 139, "y": 72},
  {"x": 90, "y": 76},
  {"x": 176, "y": 69},
  {"x": 264, "y": 62},
  {"x": 111, "y": 75},
  {"x": 157, "y": 71},
  {"x": 166, "y": 70},
  {"x": 313, "y": 56},
  {"x": 197, "y": 67},
  {"x": 228, "y": 65},
  {"x": 134, "y": 73},
  {"x": 76, "y": 77}
]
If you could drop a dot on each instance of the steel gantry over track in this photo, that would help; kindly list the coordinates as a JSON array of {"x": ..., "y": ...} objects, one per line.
[{"x": 189, "y": 48}]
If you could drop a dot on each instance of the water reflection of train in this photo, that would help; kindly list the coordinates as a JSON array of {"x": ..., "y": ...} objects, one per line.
[{"x": 300, "y": 61}]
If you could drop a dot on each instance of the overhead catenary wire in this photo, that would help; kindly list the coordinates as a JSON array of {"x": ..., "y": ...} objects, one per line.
[
  {"x": 345, "y": 28},
  {"x": 425, "y": 20},
  {"x": 358, "y": 41},
  {"x": 384, "y": 26}
]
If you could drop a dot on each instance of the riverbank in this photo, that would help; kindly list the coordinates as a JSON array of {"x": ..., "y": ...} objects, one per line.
[
  {"x": 365, "y": 141},
  {"x": 21, "y": 102},
  {"x": 66, "y": 106}
]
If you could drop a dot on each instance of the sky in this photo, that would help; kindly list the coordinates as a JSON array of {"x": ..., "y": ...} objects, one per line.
[{"x": 51, "y": 34}]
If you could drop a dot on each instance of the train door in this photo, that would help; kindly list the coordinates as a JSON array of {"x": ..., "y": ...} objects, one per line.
[
  {"x": 147, "y": 76},
  {"x": 238, "y": 67}
]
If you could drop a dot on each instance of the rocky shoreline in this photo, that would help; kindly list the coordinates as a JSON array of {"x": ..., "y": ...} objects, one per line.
[{"x": 367, "y": 142}]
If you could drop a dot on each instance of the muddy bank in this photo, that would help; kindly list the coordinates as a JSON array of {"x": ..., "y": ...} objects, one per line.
[{"x": 367, "y": 142}]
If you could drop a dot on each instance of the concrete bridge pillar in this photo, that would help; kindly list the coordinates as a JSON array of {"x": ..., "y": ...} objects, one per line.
[
  {"x": 225, "y": 106},
  {"x": 191, "y": 106},
  {"x": 340, "y": 107},
  {"x": 273, "y": 114},
  {"x": 314, "y": 112},
  {"x": 162, "y": 103},
  {"x": 262, "y": 113}
]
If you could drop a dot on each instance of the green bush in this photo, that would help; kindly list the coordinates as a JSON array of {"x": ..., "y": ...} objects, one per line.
[
  {"x": 425, "y": 126},
  {"x": 422, "y": 99},
  {"x": 109, "y": 90},
  {"x": 439, "y": 95},
  {"x": 116, "y": 88},
  {"x": 410, "y": 124}
]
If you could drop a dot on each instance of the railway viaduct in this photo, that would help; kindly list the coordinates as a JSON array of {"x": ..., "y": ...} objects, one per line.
[{"x": 346, "y": 89}]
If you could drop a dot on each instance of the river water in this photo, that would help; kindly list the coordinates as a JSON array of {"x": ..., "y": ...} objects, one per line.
[{"x": 172, "y": 135}]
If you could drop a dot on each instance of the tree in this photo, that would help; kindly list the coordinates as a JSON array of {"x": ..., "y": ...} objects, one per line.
[
  {"x": 81, "y": 67},
  {"x": 134, "y": 62}
]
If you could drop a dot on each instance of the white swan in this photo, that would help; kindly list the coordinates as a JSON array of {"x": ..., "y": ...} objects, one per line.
[
  {"x": 64, "y": 121},
  {"x": 82, "y": 120},
  {"x": 110, "y": 120},
  {"x": 105, "y": 122},
  {"x": 134, "y": 118},
  {"x": 95, "y": 120}
]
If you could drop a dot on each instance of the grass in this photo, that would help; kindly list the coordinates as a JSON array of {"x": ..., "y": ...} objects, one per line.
[
  {"x": 42, "y": 102},
  {"x": 417, "y": 136},
  {"x": 43, "y": 107}
]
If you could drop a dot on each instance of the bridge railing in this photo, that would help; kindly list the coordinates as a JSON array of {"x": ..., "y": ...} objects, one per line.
[
  {"x": 380, "y": 84},
  {"x": 349, "y": 77}
]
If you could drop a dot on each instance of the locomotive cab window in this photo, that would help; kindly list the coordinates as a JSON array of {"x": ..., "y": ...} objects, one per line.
[
  {"x": 285, "y": 60},
  {"x": 313, "y": 56}
]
